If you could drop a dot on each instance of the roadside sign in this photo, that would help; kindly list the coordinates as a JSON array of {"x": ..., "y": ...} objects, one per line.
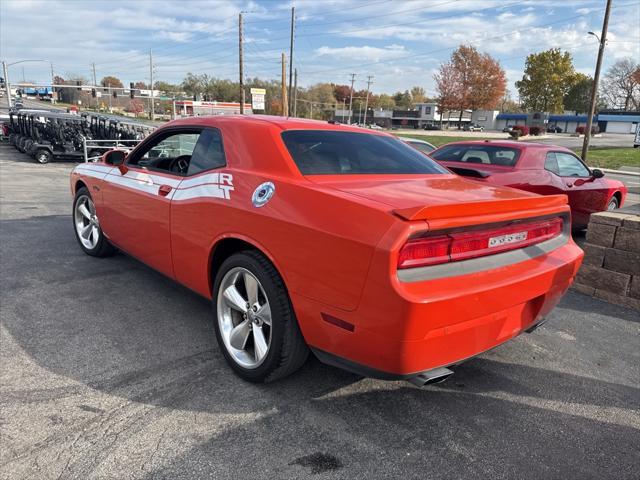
[{"x": 257, "y": 98}]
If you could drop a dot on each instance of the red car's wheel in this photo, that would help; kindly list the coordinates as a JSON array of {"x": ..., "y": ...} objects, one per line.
[
  {"x": 87, "y": 227},
  {"x": 613, "y": 204},
  {"x": 255, "y": 324}
]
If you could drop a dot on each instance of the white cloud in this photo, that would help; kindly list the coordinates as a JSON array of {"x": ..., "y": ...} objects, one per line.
[
  {"x": 365, "y": 53},
  {"x": 180, "y": 37}
]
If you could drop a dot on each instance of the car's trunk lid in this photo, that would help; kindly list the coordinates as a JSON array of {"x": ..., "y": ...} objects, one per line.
[{"x": 435, "y": 197}]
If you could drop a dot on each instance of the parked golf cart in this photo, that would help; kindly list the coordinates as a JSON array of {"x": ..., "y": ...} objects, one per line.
[{"x": 62, "y": 138}]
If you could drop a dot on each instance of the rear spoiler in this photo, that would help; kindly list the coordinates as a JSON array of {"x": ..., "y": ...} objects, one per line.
[
  {"x": 466, "y": 209},
  {"x": 470, "y": 172}
]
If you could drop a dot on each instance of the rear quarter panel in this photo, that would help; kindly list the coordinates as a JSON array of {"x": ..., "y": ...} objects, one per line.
[{"x": 320, "y": 241}]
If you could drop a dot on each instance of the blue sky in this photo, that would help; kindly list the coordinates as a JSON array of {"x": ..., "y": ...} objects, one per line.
[{"x": 400, "y": 42}]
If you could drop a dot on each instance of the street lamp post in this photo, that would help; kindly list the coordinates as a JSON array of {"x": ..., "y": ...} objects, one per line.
[
  {"x": 5, "y": 69},
  {"x": 596, "y": 79}
]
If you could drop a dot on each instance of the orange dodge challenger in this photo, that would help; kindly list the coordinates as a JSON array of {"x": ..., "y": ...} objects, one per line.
[{"x": 310, "y": 236}]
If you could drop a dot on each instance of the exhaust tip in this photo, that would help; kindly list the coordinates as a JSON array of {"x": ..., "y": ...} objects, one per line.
[{"x": 436, "y": 375}]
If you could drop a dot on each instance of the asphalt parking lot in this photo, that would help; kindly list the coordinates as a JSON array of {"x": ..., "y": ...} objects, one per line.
[{"x": 110, "y": 370}]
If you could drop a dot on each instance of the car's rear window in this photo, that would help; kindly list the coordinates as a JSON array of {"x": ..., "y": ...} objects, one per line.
[
  {"x": 478, "y": 154},
  {"x": 330, "y": 152}
]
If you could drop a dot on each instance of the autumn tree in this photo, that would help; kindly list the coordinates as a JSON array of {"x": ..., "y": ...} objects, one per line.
[
  {"x": 418, "y": 95},
  {"x": 140, "y": 86},
  {"x": 548, "y": 77},
  {"x": 448, "y": 85},
  {"x": 621, "y": 85},
  {"x": 136, "y": 106},
  {"x": 341, "y": 92},
  {"x": 470, "y": 80},
  {"x": 488, "y": 84},
  {"x": 111, "y": 81},
  {"x": 578, "y": 97}
]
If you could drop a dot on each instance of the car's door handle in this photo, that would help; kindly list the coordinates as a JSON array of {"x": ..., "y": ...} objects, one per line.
[
  {"x": 164, "y": 190},
  {"x": 569, "y": 185}
]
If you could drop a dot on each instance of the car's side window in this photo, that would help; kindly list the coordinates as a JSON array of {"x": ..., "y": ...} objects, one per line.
[
  {"x": 551, "y": 163},
  {"x": 170, "y": 153},
  {"x": 476, "y": 156},
  {"x": 570, "y": 166},
  {"x": 208, "y": 153}
]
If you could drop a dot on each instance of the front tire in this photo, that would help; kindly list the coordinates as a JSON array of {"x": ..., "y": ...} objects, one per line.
[
  {"x": 613, "y": 204},
  {"x": 87, "y": 227},
  {"x": 43, "y": 156},
  {"x": 255, "y": 324}
]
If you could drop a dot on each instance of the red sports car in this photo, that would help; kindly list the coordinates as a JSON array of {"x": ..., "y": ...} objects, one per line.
[
  {"x": 538, "y": 168},
  {"x": 312, "y": 236}
]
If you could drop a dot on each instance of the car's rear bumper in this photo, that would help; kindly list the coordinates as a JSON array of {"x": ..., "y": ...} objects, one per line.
[{"x": 403, "y": 329}]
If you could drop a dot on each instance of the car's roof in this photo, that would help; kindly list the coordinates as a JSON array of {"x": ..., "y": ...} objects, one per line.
[
  {"x": 503, "y": 143},
  {"x": 283, "y": 123},
  {"x": 415, "y": 140}
]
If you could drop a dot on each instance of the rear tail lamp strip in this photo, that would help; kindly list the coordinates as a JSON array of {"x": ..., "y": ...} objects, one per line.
[{"x": 454, "y": 247}]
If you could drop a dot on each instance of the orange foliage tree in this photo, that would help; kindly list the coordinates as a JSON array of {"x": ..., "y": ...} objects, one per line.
[{"x": 470, "y": 80}]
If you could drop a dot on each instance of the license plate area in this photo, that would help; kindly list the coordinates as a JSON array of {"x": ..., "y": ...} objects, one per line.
[{"x": 507, "y": 239}]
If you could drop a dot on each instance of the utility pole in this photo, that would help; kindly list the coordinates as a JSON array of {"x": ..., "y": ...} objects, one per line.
[
  {"x": 285, "y": 109},
  {"x": 353, "y": 79},
  {"x": 151, "y": 102},
  {"x": 95, "y": 82},
  {"x": 241, "y": 63},
  {"x": 295, "y": 92},
  {"x": 53, "y": 90},
  {"x": 293, "y": 19},
  {"x": 6, "y": 83},
  {"x": 311, "y": 110},
  {"x": 366, "y": 103},
  {"x": 596, "y": 80}
]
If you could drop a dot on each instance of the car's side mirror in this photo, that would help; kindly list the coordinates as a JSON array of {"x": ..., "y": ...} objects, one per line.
[
  {"x": 114, "y": 157},
  {"x": 597, "y": 173}
]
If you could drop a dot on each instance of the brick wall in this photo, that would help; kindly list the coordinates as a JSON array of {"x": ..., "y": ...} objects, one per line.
[{"x": 611, "y": 267}]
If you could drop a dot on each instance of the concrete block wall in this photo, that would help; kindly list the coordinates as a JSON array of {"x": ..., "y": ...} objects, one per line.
[{"x": 611, "y": 267}]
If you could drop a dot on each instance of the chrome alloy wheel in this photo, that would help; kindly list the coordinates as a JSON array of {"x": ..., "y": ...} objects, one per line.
[
  {"x": 86, "y": 220},
  {"x": 244, "y": 317}
]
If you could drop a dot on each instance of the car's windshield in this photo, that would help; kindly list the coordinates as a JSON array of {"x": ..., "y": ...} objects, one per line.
[
  {"x": 328, "y": 152},
  {"x": 480, "y": 154}
]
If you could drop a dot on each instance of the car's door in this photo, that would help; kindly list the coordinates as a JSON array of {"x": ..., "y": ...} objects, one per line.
[
  {"x": 200, "y": 211},
  {"x": 586, "y": 194},
  {"x": 137, "y": 196}
]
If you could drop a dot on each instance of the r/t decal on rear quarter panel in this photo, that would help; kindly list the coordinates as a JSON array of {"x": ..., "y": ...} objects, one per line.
[{"x": 216, "y": 185}]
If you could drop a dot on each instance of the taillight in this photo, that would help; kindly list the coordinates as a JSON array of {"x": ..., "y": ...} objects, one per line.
[{"x": 453, "y": 247}]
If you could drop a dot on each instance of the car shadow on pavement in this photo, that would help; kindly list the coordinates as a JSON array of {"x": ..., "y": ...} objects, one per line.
[{"x": 117, "y": 327}]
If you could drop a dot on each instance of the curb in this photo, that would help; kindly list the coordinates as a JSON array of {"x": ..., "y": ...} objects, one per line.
[{"x": 621, "y": 172}]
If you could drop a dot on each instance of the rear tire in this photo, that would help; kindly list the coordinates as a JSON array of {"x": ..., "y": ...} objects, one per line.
[
  {"x": 43, "y": 156},
  {"x": 613, "y": 204},
  {"x": 87, "y": 228},
  {"x": 265, "y": 347}
]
